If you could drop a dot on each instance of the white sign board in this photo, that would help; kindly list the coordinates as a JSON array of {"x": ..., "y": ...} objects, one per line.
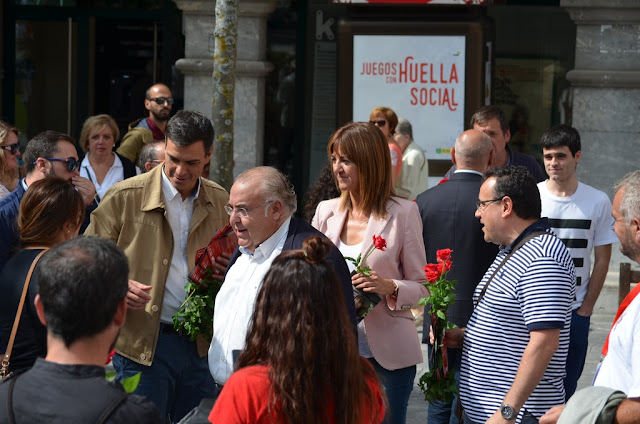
[{"x": 420, "y": 77}]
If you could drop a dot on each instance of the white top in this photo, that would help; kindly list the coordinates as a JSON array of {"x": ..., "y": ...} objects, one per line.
[
  {"x": 115, "y": 174},
  {"x": 350, "y": 251},
  {"x": 620, "y": 369},
  {"x": 235, "y": 301},
  {"x": 179, "y": 214},
  {"x": 582, "y": 221},
  {"x": 4, "y": 192}
]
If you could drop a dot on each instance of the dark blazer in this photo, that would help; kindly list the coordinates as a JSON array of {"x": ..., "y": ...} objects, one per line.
[
  {"x": 299, "y": 231},
  {"x": 449, "y": 222}
]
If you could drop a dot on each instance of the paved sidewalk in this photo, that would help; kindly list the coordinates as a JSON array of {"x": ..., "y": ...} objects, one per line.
[{"x": 601, "y": 321}]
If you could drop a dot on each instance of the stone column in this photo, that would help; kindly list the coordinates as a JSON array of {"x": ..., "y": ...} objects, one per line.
[
  {"x": 606, "y": 88},
  {"x": 251, "y": 70}
]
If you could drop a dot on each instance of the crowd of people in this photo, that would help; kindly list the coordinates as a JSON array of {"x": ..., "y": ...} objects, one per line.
[{"x": 302, "y": 334}]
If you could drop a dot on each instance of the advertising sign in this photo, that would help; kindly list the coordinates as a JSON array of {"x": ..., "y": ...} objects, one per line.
[{"x": 420, "y": 77}]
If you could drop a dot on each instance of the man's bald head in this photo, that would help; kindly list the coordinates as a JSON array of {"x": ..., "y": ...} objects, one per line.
[{"x": 473, "y": 151}]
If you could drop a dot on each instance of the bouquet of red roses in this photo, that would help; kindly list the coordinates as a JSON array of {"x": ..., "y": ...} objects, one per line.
[{"x": 438, "y": 383}]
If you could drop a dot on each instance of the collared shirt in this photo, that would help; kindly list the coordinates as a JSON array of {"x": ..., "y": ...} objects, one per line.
[
  {"x": 467, "y": 171},
  {"x": 179, "y": 214},
  {"x": 234, "y": 302},
  {"x": 114, "y": 175}
]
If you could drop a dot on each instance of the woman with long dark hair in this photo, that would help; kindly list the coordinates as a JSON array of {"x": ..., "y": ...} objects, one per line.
[
  {"x": 300, "y": 363},
  {"x": 368, "y": 208},
  {"x": 51, "y": 212}
]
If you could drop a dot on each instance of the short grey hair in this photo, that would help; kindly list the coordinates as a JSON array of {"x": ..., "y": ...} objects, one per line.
[
  {"x": 275, "y": 186},
  {"x": 630, "y": 202},
  {"x": 404, "y": 127},
  {"x": 149, "y": 153}
]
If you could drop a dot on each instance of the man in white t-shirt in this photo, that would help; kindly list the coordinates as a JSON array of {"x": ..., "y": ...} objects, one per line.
[
  {"x": 620, "y": 368},
  {"x": 580, "y": 215}
]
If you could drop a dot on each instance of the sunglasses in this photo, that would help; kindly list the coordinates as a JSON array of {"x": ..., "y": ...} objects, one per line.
[
  {"x": 72, "y": 163},
  {"x": 162, "y": 100},
  {"x": 13, "y": 148},
  {"x": 380, "y": 123}
]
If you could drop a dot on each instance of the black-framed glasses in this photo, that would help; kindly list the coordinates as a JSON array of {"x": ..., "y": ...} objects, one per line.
[
  {"x": 13, "y": 148},
  {"x": 481, "y": 204},
  {"x": 162, "y": 100},
  {"x": 73, "y": 164},
  {"x": 243, "y": 212},
  {"x": 379, "y": 123}
]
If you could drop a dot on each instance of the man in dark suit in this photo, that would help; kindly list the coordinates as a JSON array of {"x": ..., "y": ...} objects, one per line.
[
  {"x": 448, "y": 219},
  {"x": 261, "y": 207}
]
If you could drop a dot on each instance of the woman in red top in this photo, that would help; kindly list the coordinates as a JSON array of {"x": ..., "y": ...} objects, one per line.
[{"x": 300, "y": 363}]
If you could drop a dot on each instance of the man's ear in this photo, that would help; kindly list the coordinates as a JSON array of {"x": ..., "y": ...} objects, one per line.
[
  {"x": 40, "y": 310},
  {"x": 120, "y": 316},
  {"x": 453, "y": 155},
  {"x": 492, "y": 155},
  {"x": 41, "y": 165},
  {"x": 147, "y": 104},
  {"x": 577, "y": 156},
  {"x": 277, "y": 208},
  {"x": 507, "y": 206},
  {"x": 507, "y": 136}
]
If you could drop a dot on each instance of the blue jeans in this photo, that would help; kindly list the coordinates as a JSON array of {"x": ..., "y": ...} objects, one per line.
[
  {"x": 578, "y": 344},
  {"x": 397, "y": 386},
  {"x": 444, "y": 412},
  {"x": 177, "y": 379}
]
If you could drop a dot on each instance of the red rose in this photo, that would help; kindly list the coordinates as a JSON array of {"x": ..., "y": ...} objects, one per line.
[
  {"x": 432, "y": 272},
  {"x": 447, "y": 265},
  {"x": 444, "y": 180},
  {"x": 379, "y": 243},
  {"x": 111, "y": 353},
  {"x": 444, "y": 255}
]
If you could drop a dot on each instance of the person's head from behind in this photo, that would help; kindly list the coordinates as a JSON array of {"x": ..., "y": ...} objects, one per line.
[
  {"x": 81, "y": 284},
  {"x": 188, "y": 148},
  {"x": 151, "y": 155},
  {"x": 99, "y": 134},
  {"x": 561, "y": 152},
  {"x": 51, "y": 212},
  {"x": 51, "y": 154},
  {"x": 473, "y": 150},
  {"x": 361, "y": 164},
  {"x": 301, "y": 330},
  {"x": 260, "y": 201},
  {"x": 626, "y": 214},
  {"x": 385, "y": 119}
]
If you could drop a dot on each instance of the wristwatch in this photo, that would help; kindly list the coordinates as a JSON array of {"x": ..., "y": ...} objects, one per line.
[{"x": 507, "y": 411}]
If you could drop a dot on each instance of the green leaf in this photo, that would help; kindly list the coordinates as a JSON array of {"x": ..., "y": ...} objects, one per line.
[
  {"x": 441, "y": 314},
  {"x": 110, "y": 375},
  {"x": 130, "y": 384}
]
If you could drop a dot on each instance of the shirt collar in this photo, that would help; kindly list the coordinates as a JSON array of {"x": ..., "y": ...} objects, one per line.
[
  {"x": 540, "y": 225},
  {"x": 266, "y": 248},
  {"x": 170, "y": 192},
  {"x": 467, "y": 171}
]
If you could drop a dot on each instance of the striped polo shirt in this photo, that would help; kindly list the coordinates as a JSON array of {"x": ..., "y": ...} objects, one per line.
[{"x": 533, "y": 290}]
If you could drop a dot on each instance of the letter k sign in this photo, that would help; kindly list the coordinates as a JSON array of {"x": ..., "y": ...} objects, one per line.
[{"x": 323, "y": 28}]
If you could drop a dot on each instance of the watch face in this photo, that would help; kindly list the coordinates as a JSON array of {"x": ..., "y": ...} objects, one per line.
[{"x": 508, "y": 413}]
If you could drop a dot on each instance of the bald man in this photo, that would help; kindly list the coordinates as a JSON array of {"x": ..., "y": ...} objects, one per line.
[
  {"x": 447, "y": 212},
  {"x": 158, "y": 102}
]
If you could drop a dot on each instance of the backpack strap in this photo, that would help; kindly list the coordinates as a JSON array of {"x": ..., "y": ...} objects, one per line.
[{"x": 110, "y": 409}]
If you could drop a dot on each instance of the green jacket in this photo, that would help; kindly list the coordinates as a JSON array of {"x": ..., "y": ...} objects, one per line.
[
  {"x": 132, "y": 214},
  {"x": 133, "y": 140}
]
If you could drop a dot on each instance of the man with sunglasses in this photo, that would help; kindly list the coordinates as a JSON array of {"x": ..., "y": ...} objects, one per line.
[
  {"x": 158, "y": 102},
  {"x": 48, "y": 154}
]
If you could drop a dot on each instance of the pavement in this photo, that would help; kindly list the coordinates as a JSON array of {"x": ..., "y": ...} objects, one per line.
[{"x": 601, "y": 321}]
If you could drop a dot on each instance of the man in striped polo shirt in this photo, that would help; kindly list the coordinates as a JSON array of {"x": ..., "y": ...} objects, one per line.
[
  {"x": 515, "y": 344},
  {"x": 581, "y": 216}
]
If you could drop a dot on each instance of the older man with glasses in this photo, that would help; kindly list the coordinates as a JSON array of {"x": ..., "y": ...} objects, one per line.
[
  {"x": 158, "y": 102},
  {"x": 48, "y": 154}
]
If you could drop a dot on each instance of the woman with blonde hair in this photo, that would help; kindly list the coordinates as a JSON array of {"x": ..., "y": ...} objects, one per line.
[
  {"x": 101, "y": 164},
  {"x": 9, "y": 152},
  {"x": 387, "y": 120},
  {"x": 51, "y": 212},
  {"x": 300, "y": 363},
  {"x": 368, "y": 208}
]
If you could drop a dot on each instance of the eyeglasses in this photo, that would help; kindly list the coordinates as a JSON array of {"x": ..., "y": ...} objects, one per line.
[
  {"x": 162, "y": 100},
  {"x": 380, "y": 123},
  {"x": 481, "y": 204},
  {"x": 72, "y": 163},
  {"x": 13, "y": 148},
  {"x": 243, "y": 212}
]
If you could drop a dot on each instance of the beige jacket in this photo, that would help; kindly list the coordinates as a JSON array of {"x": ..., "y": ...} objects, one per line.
[{"x": 132, "y": 214}]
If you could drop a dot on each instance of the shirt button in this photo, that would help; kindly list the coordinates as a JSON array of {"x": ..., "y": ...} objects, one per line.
[
  {"x": 143, "y": 356},
  {"x": 154, "y": 308},
  {"x": 165, "y": 262}
]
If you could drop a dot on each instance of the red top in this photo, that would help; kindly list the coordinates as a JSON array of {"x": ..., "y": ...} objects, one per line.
[{"x": 245, "y": 399}]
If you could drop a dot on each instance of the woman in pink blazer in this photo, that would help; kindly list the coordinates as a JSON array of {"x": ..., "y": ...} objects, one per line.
[{"x": 366, "y": 208}]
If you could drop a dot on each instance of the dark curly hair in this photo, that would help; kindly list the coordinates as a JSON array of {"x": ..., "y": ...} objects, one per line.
[
  {"x": 307, "y": 342},
  {"x": 517, "y": 183},
  {"x": 324, "y": 188}
]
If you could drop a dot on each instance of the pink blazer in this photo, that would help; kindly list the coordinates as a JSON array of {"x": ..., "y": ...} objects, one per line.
[{"x": 390, "y": 327}]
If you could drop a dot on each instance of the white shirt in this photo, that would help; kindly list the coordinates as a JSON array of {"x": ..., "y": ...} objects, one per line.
[
  {"x": 179, "y": 214},
  {"x": 235, "y": 300},
  {"x": 115, "y": 174}
]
